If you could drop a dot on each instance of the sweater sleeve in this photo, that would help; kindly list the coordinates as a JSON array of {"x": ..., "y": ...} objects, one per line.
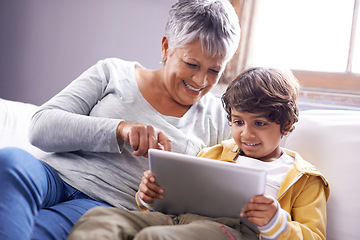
[
  {"x": 277, "y": 225},
  {"x": 144, "y": 206},
  {"x": 64, "y": 123}
]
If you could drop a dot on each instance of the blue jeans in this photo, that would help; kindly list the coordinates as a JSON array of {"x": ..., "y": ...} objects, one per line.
[{"x": 35, "y": 203}]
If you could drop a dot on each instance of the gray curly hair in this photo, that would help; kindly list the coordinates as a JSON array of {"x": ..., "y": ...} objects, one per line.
[{"x": 214, "y": 22}]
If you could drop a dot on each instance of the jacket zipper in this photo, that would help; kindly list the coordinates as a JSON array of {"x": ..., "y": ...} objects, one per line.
[{"x": 292, "y": 183}]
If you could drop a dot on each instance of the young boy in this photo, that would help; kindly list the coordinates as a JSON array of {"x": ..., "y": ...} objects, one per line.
[{"x": 262, "y": 107}]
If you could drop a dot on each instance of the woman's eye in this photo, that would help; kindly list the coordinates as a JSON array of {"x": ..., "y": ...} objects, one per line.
[
  {"x": 214, "y": 71},
  {"x": 191, "y": 65}
]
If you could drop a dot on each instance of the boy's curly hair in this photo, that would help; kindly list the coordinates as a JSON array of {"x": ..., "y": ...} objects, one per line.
[{"x": 263, "y": 90}]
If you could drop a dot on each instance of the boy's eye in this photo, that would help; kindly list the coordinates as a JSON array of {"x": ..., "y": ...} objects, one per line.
[
  {"x": 260, "y": 123},
  {"x": 238, "y": 122}
]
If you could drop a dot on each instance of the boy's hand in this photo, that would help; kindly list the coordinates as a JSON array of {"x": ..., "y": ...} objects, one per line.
[
  {"x": 148, "y": 189},
  {"x": 260, "y": 210}
]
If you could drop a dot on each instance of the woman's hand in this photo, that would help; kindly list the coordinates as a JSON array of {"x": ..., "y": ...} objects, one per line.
[
  {"x": 260, "y": 210},
  {"x": 142, "y": 137},
  {"x": 148, "y": 189}
]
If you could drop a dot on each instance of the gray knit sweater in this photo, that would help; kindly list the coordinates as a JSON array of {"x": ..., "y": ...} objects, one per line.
[{"x": 80, "y": 122}]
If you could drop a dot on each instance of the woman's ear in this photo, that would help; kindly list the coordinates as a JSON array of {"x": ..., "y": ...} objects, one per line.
[{"x": 164, "y": 48}]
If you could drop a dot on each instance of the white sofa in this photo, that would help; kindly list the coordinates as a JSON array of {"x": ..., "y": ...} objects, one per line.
[{"x": 327, "y": 138}]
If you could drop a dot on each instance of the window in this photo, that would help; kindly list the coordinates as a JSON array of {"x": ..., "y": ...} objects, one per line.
[
  {"x": 356, "y": 60},
  {"x": 318, "y": 39},
  {"x": 309, "y": 35}
]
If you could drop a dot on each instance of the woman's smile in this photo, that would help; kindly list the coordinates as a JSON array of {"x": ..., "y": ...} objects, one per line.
[{"x": 188, "y": 86}]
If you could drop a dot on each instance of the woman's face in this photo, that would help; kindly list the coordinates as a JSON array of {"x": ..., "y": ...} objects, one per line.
[{"x": 189, "y": 73}]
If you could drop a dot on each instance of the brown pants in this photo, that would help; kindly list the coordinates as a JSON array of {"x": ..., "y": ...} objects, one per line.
[{"x": 102, "y": 223}]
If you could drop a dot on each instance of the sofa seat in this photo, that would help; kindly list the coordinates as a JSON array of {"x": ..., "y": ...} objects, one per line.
[{"x": 329, "y": 139}]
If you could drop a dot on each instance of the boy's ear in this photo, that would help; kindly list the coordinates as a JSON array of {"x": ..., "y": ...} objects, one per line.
[{"x": 288, "y": 126}]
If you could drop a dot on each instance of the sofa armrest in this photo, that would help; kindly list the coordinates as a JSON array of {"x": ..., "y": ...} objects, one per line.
[{"x": 330, "y": 139}]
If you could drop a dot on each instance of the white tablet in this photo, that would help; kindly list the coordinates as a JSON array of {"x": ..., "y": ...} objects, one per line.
[{"x": 203, "y": 186}]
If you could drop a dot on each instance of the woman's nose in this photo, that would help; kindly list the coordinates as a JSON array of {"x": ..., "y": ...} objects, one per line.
[{"x": 200, "y": 79}]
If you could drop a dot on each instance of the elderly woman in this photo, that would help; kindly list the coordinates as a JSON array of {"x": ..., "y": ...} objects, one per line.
[{"x": 101, "y": 126}]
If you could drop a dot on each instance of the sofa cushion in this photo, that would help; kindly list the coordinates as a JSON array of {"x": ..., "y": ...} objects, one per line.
[
  {"x": 14, "y": 125},
  {"x": 330, "y": 139}
]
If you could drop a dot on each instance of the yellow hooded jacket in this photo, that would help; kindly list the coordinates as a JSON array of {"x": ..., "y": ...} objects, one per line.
[{"x": 303, "y": 195}]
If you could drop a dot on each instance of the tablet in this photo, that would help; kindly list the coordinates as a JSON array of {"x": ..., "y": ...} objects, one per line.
[{"x": 203, "y": 186}]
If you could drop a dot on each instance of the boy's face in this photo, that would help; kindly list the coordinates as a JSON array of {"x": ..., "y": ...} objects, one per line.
[{"x": 256, "y": 136}]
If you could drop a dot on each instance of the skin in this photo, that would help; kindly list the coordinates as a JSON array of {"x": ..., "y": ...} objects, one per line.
[
  {"x": 258, "y": 138},
  {"x": 186, "y": 77},
  {"x": 189, "y": 73}
]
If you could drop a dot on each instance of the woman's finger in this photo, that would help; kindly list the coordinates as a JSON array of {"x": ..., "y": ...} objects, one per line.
[
  {"x": 164, "y": 141},
  {"x": 140, "y": 142}
]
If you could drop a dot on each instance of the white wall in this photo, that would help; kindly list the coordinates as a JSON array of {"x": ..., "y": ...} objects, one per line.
[{"x": 44, "y": 44}]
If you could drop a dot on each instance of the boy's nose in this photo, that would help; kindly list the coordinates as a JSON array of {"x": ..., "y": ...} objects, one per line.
[{"x": 247, "y": 132}]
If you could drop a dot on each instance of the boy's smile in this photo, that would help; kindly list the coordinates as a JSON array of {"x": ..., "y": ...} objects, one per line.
[{"x": 256, "y": 136}]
